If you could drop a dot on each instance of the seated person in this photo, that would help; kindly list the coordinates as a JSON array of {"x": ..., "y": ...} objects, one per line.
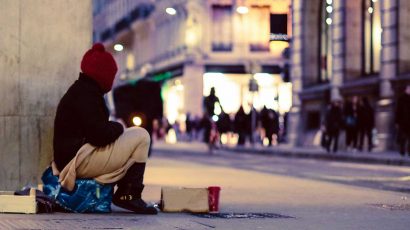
[{"x": 88, "y": 145}]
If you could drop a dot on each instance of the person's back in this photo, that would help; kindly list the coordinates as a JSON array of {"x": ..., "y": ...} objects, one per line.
[
  {"x": 82, "y": 118},
  {"x": 334, "y": 119}
]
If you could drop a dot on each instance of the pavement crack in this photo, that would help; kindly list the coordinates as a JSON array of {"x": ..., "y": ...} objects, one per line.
[{"x": 206, "y": 225}]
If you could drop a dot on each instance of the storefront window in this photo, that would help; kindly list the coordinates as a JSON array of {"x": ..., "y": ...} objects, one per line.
[
  {"x": 259, "y": 35},
  {"x": 325, "y": 61},
  {"x": 233, "y": 91},
  {"x": 173, "y": 96},
  {"x": 371, "y": 36}
]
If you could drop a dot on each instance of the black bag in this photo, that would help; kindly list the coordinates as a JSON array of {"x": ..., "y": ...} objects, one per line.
[{"x": 45, "y": 204}]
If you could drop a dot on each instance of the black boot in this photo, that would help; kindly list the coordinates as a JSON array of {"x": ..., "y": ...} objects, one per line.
[{"x": 128, "y": 195}]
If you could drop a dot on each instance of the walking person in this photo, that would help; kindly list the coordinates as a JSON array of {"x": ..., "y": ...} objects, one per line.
[
  {"x": 365, "y": 123},
  {"x": 351, "y": 112},
  {"x": 402, "y": 121},
  {"x": 270, "y": 123},
  {"x": 333, "y": 124},
  {"x": 88, "y": 145},
  {"x": 241, "y": 126}
]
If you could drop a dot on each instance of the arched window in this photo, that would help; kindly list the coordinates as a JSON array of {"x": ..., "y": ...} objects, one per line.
[
  {"x": 371, "y": 45},
  {"x": 325, "y": 57}
]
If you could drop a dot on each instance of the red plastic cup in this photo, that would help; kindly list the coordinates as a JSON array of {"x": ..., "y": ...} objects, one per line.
[{"x": 213, "y": 198}]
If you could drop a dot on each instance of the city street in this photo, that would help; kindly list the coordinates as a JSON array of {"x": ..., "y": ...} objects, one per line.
[{"x": 304, "y": 194}]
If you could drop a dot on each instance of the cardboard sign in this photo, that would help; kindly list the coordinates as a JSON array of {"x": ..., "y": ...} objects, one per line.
[{"x": 184, "y": 200}]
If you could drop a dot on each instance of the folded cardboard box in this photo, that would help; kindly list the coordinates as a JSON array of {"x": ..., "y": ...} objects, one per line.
[
  {"x": 10, "y": 203},
  {"x": 175, "y": 199}
]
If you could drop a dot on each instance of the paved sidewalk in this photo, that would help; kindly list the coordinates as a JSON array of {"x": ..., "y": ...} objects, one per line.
[{"x": 388, "y": 158}]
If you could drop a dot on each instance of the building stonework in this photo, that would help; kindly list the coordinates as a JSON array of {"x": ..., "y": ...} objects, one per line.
[
  {"x": 38, "y": 63},
  {"x": 381, "y": 86}
]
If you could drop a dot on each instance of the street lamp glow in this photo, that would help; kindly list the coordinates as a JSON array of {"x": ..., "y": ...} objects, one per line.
[
  {"x": 329, "y": 2},
  {"x": 242, "y": 9},
  {"x": 118, "y": 47},
  {"x": 370, "y": 10},
  {"x": 329, "y": 9},
  {"x": 171, "y": 11},
  {"x": 137, "y": 121},
  {"x": 328, "y": 21}
]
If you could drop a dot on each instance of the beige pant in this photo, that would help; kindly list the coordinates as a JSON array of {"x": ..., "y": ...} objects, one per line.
[{"x": 107, "y": 164}]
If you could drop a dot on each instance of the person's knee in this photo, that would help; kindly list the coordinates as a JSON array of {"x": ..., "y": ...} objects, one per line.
[{"x": 141, "y": 134}]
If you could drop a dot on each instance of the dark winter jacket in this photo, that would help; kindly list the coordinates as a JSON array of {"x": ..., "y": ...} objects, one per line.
[
  {"x": 365, "y": 117},
  {"x": 334, "y": 120},
  {"x": 270, "y": 121},
  {"x": 82, "y": 117},
  {"x": 402, "y": 116}
]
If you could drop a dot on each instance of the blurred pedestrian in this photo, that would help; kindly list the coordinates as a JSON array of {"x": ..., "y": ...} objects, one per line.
[
  {"x": 402, "y": 121},
  {"x": 270, "y": 123},
  {"x": 224, "y": 123},
  {"x": 241, "y": 125},
  {"x": 333, "y": 124},
  {"x": 88, "y": 145},
  {"x": 209, "y": 103},
  {"x": 351, "y": 109},
  {"x": 252, "y": 122},
  {"x": 189, "y": 126},
  {"x": 365, "y": 118},
  {"x": 206, "y": 126}
]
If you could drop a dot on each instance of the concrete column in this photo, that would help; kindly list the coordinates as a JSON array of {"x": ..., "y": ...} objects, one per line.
[
  {"x": 294, "y": 128},
  {"x": 389, "y": 62},
  {"x": 42, "y": 43},
  {"x": 338, "y": 48},
  {"x": 193, "y": 88}
]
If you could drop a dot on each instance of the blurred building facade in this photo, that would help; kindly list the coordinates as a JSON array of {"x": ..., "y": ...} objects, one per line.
[
  {"x": 193, "y": 45},
  {"x": 338, "y": 49},
  {"x": 342, "y": 48}
]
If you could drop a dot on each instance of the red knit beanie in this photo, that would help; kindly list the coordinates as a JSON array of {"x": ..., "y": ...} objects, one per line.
[{"x": 100, "y": 66}]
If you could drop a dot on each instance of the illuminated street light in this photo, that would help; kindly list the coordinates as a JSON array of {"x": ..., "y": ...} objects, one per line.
[
  {"x": 328, "y": 21},
  {"x": 242, "y": 9},
  {"x": 137, "y": 121},
  {"x": 171, "y": 11},
  {"x": 329, "y": 9},
  {"x": 370, "y": 10},
  {"x": 215, "y": 118},
  {"x": 118, "y": 47},
  {"x": 329, "y": 2}
]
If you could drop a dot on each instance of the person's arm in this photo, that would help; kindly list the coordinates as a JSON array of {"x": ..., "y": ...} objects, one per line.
[{"x": 98, "y": 130}]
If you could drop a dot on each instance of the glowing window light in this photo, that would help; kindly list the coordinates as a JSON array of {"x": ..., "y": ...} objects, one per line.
[
  {"x": 118, "y": 47},
  {"x": 242, "y": 9},
  {"x": 224, "y": 138},
  {"x": 171, "y": 11},
  {"x": 217, "y": 108}
]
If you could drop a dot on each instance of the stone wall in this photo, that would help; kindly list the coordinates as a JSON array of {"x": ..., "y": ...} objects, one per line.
[{"x": 41, "y": 46}]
